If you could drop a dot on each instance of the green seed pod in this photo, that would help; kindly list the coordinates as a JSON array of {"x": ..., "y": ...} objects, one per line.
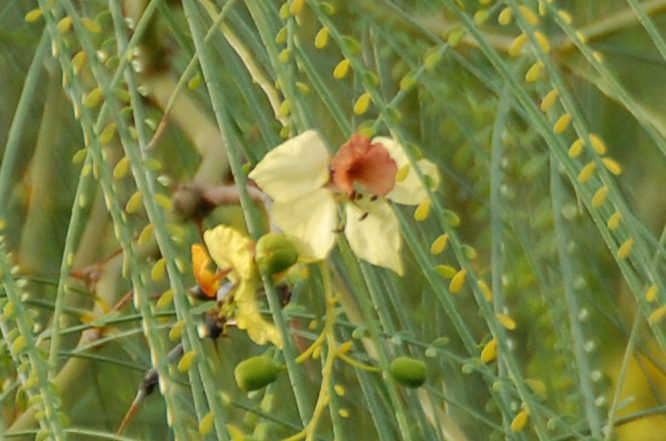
[
  {"x": 408, "y": 371},
  {"x": 275, "y": 253},
  {"x": 255, "y": 373}
]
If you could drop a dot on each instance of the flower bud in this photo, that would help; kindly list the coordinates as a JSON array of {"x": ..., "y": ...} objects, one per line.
[
  {"x": 275, "y": 253},
  {"x": 255, "y": 373},
  {"x": 408, "y": 371}
]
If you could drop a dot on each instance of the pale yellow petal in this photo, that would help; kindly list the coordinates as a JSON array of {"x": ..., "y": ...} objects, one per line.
[
  {"x": 408, "y": 191},
  {"x": 310, "y": 220},
  {"x": 294, "y": 168},
  {"x": 250, "y": 319},
  {"x": 231, "y": 249},
  {"x": 374, "y": 234}
]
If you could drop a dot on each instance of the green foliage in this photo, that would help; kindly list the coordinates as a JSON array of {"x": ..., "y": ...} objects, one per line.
[{"x": 535, "y": 275}]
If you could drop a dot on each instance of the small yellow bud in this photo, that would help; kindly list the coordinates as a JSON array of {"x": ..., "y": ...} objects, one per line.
[
  {"x": 505, "y": 17},
  {"x": 480, "y": 17},
  {"x": 402, "y": 173},
  {"x": 520, "y": 421},
  {"x": 79, "y": 61},
  {"x": 587, "y": 172},
  {"x": 565, "y": 16},
  {"x": 485, "y": 290},
  {"x": 407, "y": 82},
  {"x": 600, "y": 196},
  {"x": 134, "y": 203},
  {"x": 439, "y": 245},
  {"x": 284, "y": 109},
  {"x": 576, "y": 148},
  {"x": 543, "y": 41},
  {"x": 121, "y": 168},
  {"x": 80, "y": 156},
  {"x": 506, "y": 321},
  {"x": 206, "y": 424},
  {"x": 612, "y": 165},
  {"x": 108, "y": 134},
  {"x": 34, "y": 15},
  {"x": 164, "y": 202},
  {"x": 534, "y": 72},
  {"x": 282, "y": 35},
  {"x": 321, "y": 39},
  {"x": 517, "y": 45},
  {"x": 489, "y": 352},
  {"x": 362, "y": 103},
  {"x": 19, "y": 344},
  {"x": 194, "y": 82},
  {"x": 657, "y": 315},
  {"x": 146, "y": 234},
  {"x": 529, "y": 15},
  {"x": 614, "y": 221},
  {"x": 91, "y": 25},
  {"x": 284, "y": 56},
  {"x": 94, "y": 98},
  {"x": 296, "y": 6},
  {"x": 562, "y": 123},
  {"x": 598, "y": 144},
  {"x": 423, "y": 210},
  {"x": 186, "y": 361},
  {"x": 651, "y": 293},
  {"x": 158, "y": 270},
  {"x": 458, "y": 281},
  {"x": 166, "y": 298},
  {"x": 64, "y": 25},
  {"x": 537, "y": 386},
  {"x": 549, "y": 100},
  {"x": 625, "y": 249},
  {"x": 446, "y": 271},
  {"x": 342, "y": 69}
]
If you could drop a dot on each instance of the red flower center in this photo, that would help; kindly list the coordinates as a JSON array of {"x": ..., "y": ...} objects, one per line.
[{"x": 361, "y": 162}]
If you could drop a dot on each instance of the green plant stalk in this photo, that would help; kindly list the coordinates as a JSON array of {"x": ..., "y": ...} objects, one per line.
[
  {"x": 645, "y": 20},
  {"x": 577, "y": 336},
  {"x": 121, "y": 227},
  {"x": 33, "y": 81},
  {"x": 252, "y": 216},
  {"x": 253, "y": 68},
  {"x": 639, "y": 256},
  {"x": 559, "y": 149},
  {"x": 30, "y": 353},
  {"x": 286, "y": 73},
  {"x": 205, "y": 398},
  {"x": 496, "y": 226},
  {"x": 72, "y": 239}
]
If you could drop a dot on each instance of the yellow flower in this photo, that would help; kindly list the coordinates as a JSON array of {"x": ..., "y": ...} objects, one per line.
[
  {"x": 307, "y": 185},
  {"x": 234, "y": 252}
]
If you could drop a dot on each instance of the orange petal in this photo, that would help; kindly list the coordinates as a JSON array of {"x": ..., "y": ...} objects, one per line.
[
  {"x": 207, "y": 279},
  {"x": 369, "y": 165}
]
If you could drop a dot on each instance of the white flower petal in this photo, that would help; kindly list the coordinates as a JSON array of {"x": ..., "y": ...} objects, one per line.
[
  {"x": 410, "y": 191},
  {"x": 374, "y": 237},
  {"x": 294, "y": 168},
  {"x": 310, "y": 220}
]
